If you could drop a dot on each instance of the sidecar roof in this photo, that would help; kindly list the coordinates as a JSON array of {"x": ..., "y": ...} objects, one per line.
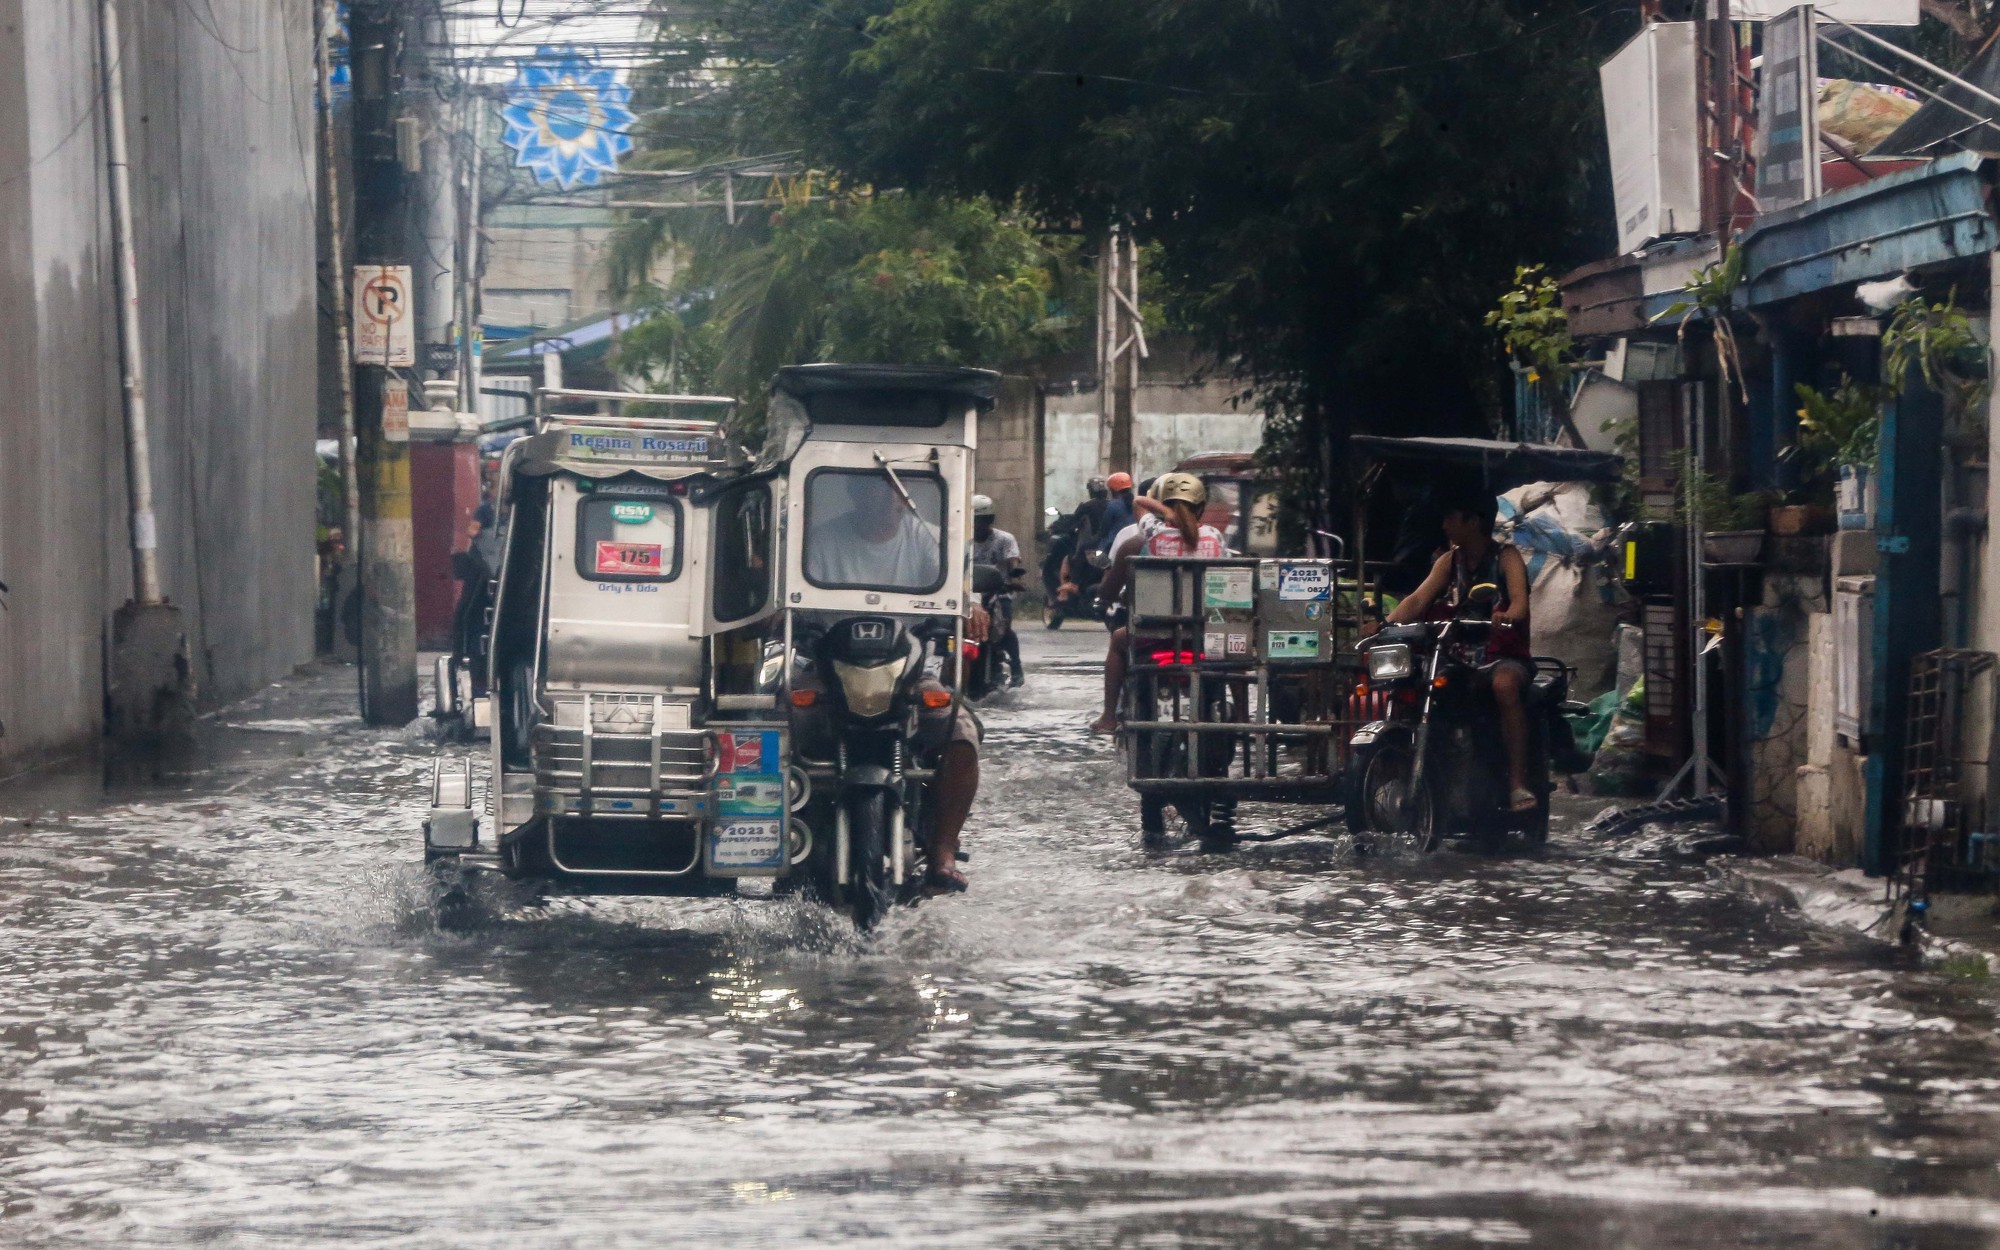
[{"x": 1503, "y": 465}]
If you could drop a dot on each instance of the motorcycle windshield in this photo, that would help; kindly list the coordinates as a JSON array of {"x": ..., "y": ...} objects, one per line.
[{"x": 862, "y": 534}]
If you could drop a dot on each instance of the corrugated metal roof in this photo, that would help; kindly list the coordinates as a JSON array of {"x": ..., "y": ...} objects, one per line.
[{"x": 1924, "y": 216}]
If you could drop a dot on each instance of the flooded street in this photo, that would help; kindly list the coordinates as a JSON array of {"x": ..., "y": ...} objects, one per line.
[{"x": 228, "y": 1020}]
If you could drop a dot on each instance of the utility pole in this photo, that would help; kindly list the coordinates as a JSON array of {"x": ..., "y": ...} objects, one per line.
[
  {"x": 150, "y": 684},
  {"x": 382, "y": 229},
  {"x": 468, "y": 253},
  {"x": 1121, "y": 344}
]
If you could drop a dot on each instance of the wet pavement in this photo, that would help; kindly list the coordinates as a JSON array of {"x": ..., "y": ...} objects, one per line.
[{"x": 228, "y": 1020}]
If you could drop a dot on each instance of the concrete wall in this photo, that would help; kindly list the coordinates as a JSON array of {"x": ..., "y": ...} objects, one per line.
[
  {"x": 1006, "y": 462},
  {"x": 1173, "y": 418},
  {"x": 219, "y": 101}
]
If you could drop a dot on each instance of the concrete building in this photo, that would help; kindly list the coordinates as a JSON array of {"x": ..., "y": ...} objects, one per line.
[{"x": 219, "y": 97}]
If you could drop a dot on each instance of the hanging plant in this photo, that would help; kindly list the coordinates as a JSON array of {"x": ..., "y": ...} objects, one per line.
[
  {"x": 1710, "y": 292},
  {"x": 1937, "y": 341}
]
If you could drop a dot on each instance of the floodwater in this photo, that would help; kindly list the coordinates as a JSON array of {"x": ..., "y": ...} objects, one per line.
[{"x": 226, "y": 1019}]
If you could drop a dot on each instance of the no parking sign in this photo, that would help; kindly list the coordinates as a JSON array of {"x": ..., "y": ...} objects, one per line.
[{"x": 384, "y": 332}]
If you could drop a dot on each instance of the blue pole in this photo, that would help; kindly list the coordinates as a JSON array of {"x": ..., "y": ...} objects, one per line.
[{"x": 1908, "y": 613}]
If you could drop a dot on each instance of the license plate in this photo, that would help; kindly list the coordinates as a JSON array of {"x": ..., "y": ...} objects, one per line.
[{"x": 746, "y": 844}]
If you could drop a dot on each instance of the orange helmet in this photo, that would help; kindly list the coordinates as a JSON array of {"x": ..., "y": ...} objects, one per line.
[{"x": 1118, "y": 482}]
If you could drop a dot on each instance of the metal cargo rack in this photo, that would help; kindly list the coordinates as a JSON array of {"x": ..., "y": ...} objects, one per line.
[{"x": 1240, "y": 678}]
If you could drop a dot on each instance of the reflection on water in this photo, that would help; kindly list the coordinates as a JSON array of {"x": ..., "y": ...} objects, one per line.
[{"x": 228, "y": 1020}]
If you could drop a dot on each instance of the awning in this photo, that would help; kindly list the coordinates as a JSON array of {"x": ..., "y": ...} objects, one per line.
[
  {"x": 1931, "y": 215},
  {"x": 1502, "y": 465}
]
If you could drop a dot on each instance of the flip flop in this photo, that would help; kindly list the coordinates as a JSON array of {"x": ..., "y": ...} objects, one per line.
[
  {"x": 1522, "y": 801},
  {"x": 945, "y": 881}
]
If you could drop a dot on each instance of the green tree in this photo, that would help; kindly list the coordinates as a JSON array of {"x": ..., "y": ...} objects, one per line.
[
  {"x": 903, "y": 279},
  {"x": 1337, "y": 186}
]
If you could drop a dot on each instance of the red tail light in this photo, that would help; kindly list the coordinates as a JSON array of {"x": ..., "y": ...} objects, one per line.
[
  {"x": 970, "y": 650},
  {"x": 1175, "y": 657}
]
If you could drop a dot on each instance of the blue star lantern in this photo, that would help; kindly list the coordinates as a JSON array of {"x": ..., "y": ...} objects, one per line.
[{"x": 568, "y": 118}]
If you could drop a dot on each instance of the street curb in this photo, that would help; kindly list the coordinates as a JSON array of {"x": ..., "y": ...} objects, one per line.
[{"x": 1846, "y": 899}]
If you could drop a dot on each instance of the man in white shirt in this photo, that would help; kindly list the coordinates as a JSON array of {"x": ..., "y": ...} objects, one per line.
[{"x": 876, "y": 539}]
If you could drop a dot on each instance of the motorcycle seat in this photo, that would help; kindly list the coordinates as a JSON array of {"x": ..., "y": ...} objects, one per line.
[{"x": 1551, "y": 681}]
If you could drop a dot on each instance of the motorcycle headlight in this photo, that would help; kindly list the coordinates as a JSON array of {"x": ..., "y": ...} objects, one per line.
[
  {"x": 870, "y": 689},
  {"x": 1389, "y": 663}
]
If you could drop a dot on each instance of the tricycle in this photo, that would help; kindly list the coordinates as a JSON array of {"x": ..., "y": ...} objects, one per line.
[{"x": 635, "y": 662}]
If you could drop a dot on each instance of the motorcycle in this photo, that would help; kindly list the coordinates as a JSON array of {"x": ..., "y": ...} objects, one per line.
[
  {"x": 1064, "y": 532},
  {"x": 1435, "y": 766},
  {"x": 874, "y": 613},
  {"x": 868, "y": 710},
  {"x": 986, "y": 662}
]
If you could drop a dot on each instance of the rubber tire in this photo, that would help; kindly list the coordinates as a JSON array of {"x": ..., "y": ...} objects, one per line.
[
  {"x": 455, "y": 910},
  {"x": 1218, "y": 832},
  {"x": 1419, "y": 821},
  {"x": 871, "y": 891}
]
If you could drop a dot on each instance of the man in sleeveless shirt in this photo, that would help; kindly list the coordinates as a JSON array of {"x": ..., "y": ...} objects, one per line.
[{"x": 1475, "y": 558}]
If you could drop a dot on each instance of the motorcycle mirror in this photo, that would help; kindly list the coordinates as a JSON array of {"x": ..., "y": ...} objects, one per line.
[
  {"x": 1484, "y": 594},
  {"x": 988, "y": 580}
]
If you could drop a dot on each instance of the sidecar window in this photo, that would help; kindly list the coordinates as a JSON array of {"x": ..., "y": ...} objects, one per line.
[
  {"x": 860, "y": 534},
  {"x": 628, "y": 538}
]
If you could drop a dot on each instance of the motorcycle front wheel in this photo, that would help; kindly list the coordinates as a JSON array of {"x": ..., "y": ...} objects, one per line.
[
  {"x": 1394, "y": 805},
  {"x": 870, "y": 889}
]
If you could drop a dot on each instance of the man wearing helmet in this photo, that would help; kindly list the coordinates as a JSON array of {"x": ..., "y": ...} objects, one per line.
[
  {"x": 1119, "y": 512},
  {"x": 995, "y": 546},
  {"x": 1169, "y": 525}
]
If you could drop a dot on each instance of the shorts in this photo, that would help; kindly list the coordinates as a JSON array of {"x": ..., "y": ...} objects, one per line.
[{"x": 1494, "y": 665}]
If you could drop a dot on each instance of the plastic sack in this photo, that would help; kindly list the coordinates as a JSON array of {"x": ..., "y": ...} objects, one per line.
[{"x": 1862, "y": 114}]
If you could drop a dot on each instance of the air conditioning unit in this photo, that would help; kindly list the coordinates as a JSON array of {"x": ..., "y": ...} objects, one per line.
[{"x": 1653, "y": 122}]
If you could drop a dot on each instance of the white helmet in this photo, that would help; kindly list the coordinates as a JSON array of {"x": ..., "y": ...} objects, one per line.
[{"x": 982, "y": 505}]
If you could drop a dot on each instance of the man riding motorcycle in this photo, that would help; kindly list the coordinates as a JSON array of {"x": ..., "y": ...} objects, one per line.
[
  {"x": 995, "y": 546},
  {"x": 1475, "y": 558},
  {"x": 1068, "y": 576},
  {"x": 880, "y": 538}
]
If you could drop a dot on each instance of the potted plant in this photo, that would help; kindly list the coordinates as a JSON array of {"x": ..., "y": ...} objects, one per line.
[
  {"x": 1836, "y": 449},
  {"x": 1732, "y": 524}
]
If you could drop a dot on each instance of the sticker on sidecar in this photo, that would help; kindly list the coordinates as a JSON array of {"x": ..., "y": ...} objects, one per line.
[
  {"x": 745, "y": 844},
  {"x": 1303, "y": 583},
  {"x": 1226, "y": 588},
  {"x": 629, "y": 559},
  {"x": 1288, "y": 644},
  {"x": 750, "y": 795},
  {"x": 755, "y": 752}
]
